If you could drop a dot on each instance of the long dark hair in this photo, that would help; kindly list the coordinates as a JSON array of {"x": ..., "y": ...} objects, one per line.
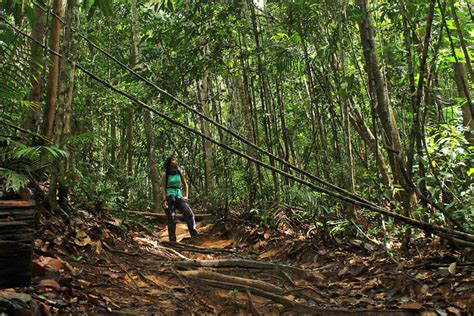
[{"x": 169, "y": 169}]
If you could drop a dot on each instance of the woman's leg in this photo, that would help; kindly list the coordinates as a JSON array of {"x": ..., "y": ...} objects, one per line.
[
  {"x": 171, "y": 217},
  {"x": 188, "y": 215}
]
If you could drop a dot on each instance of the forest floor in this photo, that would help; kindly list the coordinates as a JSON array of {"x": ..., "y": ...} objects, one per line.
[{"x": 98, "y": 264}]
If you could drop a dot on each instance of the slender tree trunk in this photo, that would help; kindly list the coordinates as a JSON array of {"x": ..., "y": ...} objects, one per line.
[
  {"x": 147, "y": 119},
  {"x": 461, "y": 82},
  {"x": 264, "y": 94},
  {"x": 245, "y": 101},
  {"x": 364, "y": 132},
  {"x": 284, "y": 131},
  {"x": 461, "y": 39},
  {"x": 62, "y": 126},
  {"x": 129, "y": 129},
  {"x": 415, "y": 142},
  {"x": 113, "y": 136},
  {"x": 51, "y": 94},
  {"x": 129, "y": 111},
  {"x": 34, "y": 96},
  {"x": 203, "y": 95},
  {"x": 319, "y": 130},
  {"x": 384, "y": 112},
  {"x": 154, "y": 175}
]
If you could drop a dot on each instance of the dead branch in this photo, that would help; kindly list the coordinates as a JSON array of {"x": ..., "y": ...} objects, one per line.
[
  {"x": 208, "y": 275},
  {"x": 252, "y": 306}
]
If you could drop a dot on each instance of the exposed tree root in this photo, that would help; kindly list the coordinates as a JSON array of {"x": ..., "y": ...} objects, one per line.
[
  {"x": 241, "y": 263},
  {"x": 208, "y": 275},
  {"x": 294, "y": 306},
  {"x": 192, "y": 248}
]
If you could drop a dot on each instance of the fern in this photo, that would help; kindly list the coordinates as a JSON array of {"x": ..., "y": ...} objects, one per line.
[
  {"x": 14, "y": 180},
  {"x": 20, "y": 160}
]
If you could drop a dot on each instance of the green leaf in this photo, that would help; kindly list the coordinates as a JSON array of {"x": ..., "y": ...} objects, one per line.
[
  {"x": 105, "y": 7},
  {"x": 470, "y": 172}
]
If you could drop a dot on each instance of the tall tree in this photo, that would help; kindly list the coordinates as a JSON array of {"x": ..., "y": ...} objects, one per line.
[
  {"x": 147, "y": 119},
  {"x": 31, "y": 120},
  {"x": 384, "y": 111},
  {"x": 52, "y": 91}
]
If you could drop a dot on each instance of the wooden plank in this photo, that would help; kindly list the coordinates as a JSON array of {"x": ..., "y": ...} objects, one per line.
[
  {"x": 9, "y": 204},
  {"x": 17, "y": 223},
  {"x": 5, "y": 224},
  {"x": 15, "y": 212}
]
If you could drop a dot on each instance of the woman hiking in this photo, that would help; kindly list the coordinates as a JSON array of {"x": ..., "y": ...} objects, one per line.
[{"x": 173, "y": 198}]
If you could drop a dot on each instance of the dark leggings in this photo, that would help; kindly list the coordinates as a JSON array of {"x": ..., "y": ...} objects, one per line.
[{"x": 178, "y": 203}]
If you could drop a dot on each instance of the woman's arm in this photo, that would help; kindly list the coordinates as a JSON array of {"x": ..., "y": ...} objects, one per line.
[
  {"x": 163, "y": 186},
  {"x": 186, "y": 188}
]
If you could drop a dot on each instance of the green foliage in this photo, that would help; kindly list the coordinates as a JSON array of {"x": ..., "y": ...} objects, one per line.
[
  {"x": 14, "y": 181},
  {"x": 15, "y": 71},
  {"x": 450, "y": 163},
  {"x": 21, "y": 161},
  {"x": 97, "y": 191},
  {"x": 296, "y": 62}
]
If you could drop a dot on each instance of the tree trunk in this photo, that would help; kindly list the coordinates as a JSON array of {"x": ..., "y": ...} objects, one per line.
[
  {"x": 245, "y": 107},
  {"x": 34, "y": 96},
  {"x": 461, "y": 39},
  {"x": 203, "y": 95},
  {"x": 154, "y": 176},
  {"x": 113, "y": 136},
  {"x": 51, "y": 94},
  {"x": 264, "y": 95},
  {"x": 384, "y": 112},
  {"x": 461, "y": 81},
  {"x": 364, "y": 132}
]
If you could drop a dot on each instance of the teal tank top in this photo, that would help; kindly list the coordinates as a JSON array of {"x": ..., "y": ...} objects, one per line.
[{"x": 173, "y": 186}]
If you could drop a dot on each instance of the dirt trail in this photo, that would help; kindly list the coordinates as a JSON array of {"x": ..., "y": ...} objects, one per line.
[{"x": 105, "y": 266}]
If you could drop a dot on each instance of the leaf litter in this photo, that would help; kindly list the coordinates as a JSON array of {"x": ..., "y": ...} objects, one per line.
[{"x": 101, "y": 264}]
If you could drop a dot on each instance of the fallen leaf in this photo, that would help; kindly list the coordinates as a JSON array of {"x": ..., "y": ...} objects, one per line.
[
  {"x": 155, "y": 292},
  {"x": 469, "y": 285},
  {"x": 260, "y": 244},
  {"x": 50, "y": 263},
  {"x": 49, "y": 283},
  {"x": 84, "y": 283},
  {"x": 369, "y": 247},
  {"x": 290, "y": 297},
  {"x": 452, "y": 268},
  {"x": 111, "y": 274},
  {"x": 82, "y": 239},
  {"x": 412, "y": 306},
  {"x": 98, "y": 247},
  {"x": 454, "y": 310},
  {"x": 153, "y": 279},
  {"x": 371, "y": 284},
  {"x": 269, "y": 254}
]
